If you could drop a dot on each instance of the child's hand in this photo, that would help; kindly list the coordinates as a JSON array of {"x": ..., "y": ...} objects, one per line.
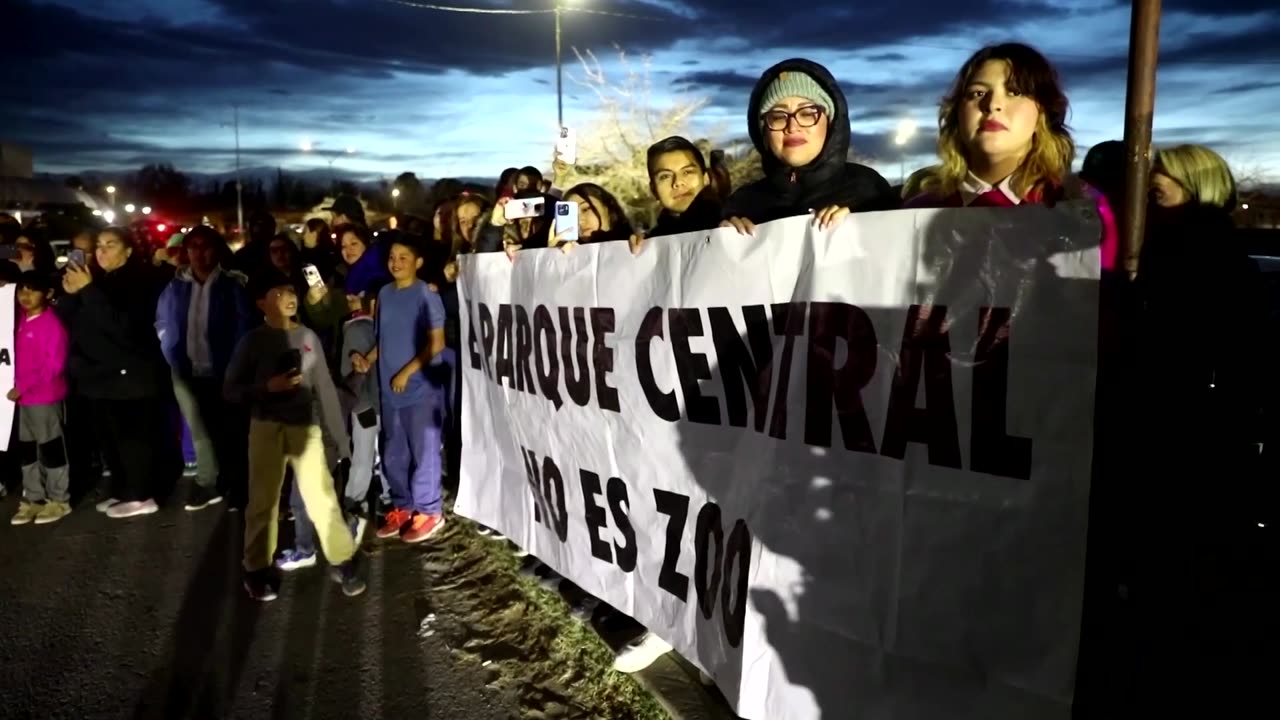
[
  {"x": 14, "y": 395},
  {"x": 400, "y": 382},
  {"x": 360, "y": 363},
  {"x": 284, "y": 383}
]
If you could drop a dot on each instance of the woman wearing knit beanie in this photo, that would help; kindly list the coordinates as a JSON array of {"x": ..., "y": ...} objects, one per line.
[{"x": 799, "y": 121}]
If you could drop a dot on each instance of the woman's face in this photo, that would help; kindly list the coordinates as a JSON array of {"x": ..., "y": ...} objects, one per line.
[
  {"x": 111, "y": 252},
  {"x": 592, "y": 216},
  {"x": 1167, "y": 192},
  {"x": 352, "y": 248},
  {"x": 281, "y": 255},
  {"x": 796, "y": 130},
  {"x": 997, "y": 122},
  {"x": 26, "y": 251},
  {"x": 468, "y": 215}
]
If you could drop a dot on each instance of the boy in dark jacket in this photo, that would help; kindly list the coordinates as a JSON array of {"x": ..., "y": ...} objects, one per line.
[{"x": 279, "y": 370}]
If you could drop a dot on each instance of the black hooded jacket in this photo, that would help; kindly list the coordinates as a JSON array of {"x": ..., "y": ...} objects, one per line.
[
  {"x": 702, "y": 214},
  {"x": 828, "y": 180}
]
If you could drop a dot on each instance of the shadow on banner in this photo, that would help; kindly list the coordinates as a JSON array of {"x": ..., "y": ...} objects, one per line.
[{"x": 948, "y": 585}]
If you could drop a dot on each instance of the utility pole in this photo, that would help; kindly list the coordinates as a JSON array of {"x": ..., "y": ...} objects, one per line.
[
  {"x": 559, "y": 74},
  {"x": 239, "y": 185},
  {"x": 1140, "y": 103}
]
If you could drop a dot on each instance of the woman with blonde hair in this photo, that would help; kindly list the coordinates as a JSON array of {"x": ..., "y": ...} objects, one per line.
[
  {"x": 1003, "y": 139},
  {"x": 1192, "y": 174}
]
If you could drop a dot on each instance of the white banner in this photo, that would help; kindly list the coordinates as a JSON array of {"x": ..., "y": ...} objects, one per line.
[
  {"x": 845, "y": 472},
  {"x": 7, "y": 319}
]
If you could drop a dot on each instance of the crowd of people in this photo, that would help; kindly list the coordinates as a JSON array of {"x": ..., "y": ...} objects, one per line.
[{"x": 335, "y": 356}]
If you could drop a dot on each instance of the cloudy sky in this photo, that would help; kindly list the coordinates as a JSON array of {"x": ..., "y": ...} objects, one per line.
[{"x": 114, "y": 84}]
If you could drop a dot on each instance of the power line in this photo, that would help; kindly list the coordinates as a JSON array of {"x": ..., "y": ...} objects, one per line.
[{"x": 498, "y": 11}]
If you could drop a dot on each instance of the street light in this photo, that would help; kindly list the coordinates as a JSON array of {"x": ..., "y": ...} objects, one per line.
[
  {"x": 395, "y": 197},
  {"x": 130, "y": 207},
  {"x": 111, "y": 191},
  {"x": 906, "y": 129},
  {"x": 146, "y": 209},
  {"x": 109, "y": 216},
  {"x": 559, "y": 67}
]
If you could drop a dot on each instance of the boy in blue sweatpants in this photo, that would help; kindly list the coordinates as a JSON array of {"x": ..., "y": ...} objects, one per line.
[{"x": 409, "y": 322}]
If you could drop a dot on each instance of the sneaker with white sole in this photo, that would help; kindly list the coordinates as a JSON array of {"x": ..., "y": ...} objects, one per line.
[
  {"x": 27, "y": 512},
  {"x": 202, "y": 498},
  {"x": 640, "y": 653},
  {"x": 52, "y": 512},
  {"x": 261, "y": 586},
  {"x": 293, "y": 559},
  {"x": 105, "y": 505},
  {"x": 123, "y": 510}
]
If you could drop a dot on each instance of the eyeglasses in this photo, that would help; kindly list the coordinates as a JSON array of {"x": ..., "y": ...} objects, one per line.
[{"x": 805, "y": 117}]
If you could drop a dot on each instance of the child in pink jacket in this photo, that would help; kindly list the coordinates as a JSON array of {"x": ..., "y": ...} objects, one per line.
[{"x": 40, "y": 347}]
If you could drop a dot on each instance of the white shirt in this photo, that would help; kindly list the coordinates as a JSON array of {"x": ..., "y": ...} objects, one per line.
[
  {"x": 198, "y": 325},
  {"x": 973, "y": 186}
]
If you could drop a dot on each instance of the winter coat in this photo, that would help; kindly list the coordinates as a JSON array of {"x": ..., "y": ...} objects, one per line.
[
  {"x": 829, "y": 180},
  {"x": 230, "y": 317}
]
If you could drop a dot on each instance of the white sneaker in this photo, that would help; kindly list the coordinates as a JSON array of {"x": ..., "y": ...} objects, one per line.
[
  {"x": 105, "y": 505},
  {"x": 123, "y": 510},
  {"x": 640, "y": 653}
]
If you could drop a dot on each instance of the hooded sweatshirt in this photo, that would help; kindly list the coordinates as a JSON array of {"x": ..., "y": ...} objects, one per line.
[
  {"x": 702, "y": 214},
  {"x": 829, "y": 180}
]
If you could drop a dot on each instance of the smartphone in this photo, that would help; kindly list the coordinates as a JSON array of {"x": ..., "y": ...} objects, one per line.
[
  {"x": 522, "y": 208},
  {"x": 76, "y": 257},
  {"x": 566, "y": 221},
  {"x": 567, "y": 146},
  {"x": 290, "y": 362},
  {"x": 312, "y": 275}
]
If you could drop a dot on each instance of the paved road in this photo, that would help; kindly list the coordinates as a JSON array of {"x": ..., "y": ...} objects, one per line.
[{"x": 145, "y": 618}]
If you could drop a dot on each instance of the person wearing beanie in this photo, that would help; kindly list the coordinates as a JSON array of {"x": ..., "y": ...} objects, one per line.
[{"x": 798, "y": 119}]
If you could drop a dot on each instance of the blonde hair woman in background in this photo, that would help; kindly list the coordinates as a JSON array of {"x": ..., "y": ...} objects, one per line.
[{"x": 1192, "y": 174}]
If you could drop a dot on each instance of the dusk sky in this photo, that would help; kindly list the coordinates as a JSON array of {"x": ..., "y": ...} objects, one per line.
[{"x": 114, "y": 84}]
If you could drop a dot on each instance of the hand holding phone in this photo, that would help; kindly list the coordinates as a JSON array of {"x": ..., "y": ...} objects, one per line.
[{"x": 76, "y": 257}]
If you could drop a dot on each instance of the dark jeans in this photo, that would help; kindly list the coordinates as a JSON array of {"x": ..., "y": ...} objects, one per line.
[
  {"x": 218, "y": 431},
  {"x": 138, "y": 445}
]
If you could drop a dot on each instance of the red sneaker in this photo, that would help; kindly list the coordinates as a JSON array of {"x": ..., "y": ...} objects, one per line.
[
  {"x": 393, "y": 522},
  {"x": 422, "y": 527}
]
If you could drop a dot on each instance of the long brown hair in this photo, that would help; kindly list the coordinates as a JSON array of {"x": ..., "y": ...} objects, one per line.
[{"x": 1048, "y": 162}]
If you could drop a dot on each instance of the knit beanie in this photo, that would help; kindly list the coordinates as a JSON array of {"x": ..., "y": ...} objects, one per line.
[{"x": 795, "y": 84}]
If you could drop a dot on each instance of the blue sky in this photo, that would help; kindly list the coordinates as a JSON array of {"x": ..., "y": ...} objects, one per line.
[{"x": 109, "y": 85}]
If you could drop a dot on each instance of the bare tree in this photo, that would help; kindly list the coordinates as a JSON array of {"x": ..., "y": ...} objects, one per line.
[{"x": 613, "y": 145}]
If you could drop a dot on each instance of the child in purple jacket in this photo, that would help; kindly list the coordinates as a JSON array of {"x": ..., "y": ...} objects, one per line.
[{"x": 40, "y": 386}]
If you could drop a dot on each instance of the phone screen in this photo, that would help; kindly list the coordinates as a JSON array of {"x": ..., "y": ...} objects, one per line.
[
  {"x": 76, "y": 257},
  {"x": 519, "y": 209},
  {"x": 312, "y": 274},
  {"x": 566, "y": 222}
]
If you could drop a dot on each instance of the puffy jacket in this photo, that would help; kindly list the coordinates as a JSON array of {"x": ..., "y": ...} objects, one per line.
[
  {"x": 230, "y": 317},
  {"x": 829, "y": 180},
  {"x": 114, "y": 353}
]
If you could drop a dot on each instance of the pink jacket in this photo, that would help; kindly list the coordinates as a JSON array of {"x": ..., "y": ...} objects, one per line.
[{"x": 41, "y": 349}]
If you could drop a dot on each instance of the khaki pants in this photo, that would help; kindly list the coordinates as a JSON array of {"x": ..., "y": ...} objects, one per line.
[{"x": 272, "y": 445}]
